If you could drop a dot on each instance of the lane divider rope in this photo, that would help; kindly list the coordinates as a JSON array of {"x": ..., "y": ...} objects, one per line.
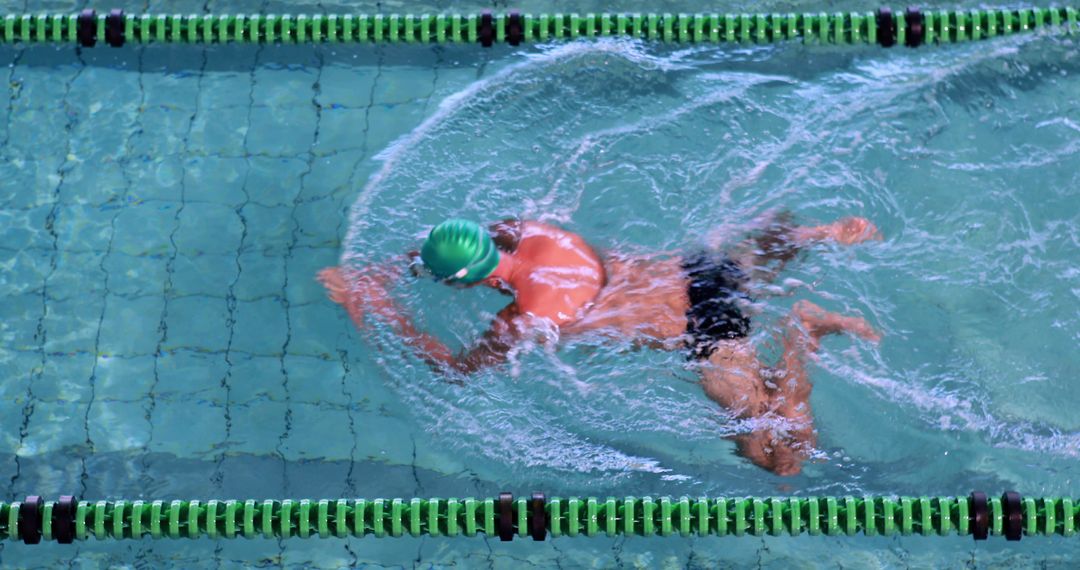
[
  {"x": 911, "y": 28},
  {"x": 505, "y": 516}
]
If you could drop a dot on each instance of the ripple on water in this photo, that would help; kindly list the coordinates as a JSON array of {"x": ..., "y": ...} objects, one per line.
[{"x": 643, "y": 150}]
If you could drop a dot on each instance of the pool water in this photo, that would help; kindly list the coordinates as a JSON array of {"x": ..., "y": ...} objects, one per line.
[{"x": 164, "y": 211}]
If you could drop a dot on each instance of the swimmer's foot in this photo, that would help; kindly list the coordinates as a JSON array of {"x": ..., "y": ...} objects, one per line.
[
  {"x": 845, "y": 231},
  {"x": 819, "y": 323}
]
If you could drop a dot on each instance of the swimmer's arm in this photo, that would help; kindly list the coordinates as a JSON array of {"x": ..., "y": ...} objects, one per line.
[
  {"x": 490, "y": 350},
  {"x": 365, "y": 294},
  {"x": 494, "y": 346}
]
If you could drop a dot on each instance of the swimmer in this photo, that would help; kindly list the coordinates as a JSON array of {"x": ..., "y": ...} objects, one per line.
[{"x": 696, "y": 303}]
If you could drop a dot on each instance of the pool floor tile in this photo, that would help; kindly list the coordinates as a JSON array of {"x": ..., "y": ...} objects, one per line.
[
  {"x": 317, "y": 422},
  {"x": 71, "y": 324},
  {"x": 282, "y": 132},
  {"x": 130, "y": 325},
  {"x": 260, "y": 327},
  {"x": 186, "y": 428},
  {"x": 135, "y": 275},
  {"x": 208, "y": 228},
  {"x": 216, "y": 180},
  {"x": 219, "y": 132},
  {"x": 256, "y": 379},
  {"x": 118, "y": 426},
  {"x": 49, "y": 429},
  {"x": 203, "y": 274},
  {"x": 261, "y": 275},
  {"x": 144, "y": 228},
  {"x": 196, "y": 323},
  {"x": 275, "y": 181},
  {"x": 124, "y": 378},
  {"x": 285, "y": 77},
  {"x": 83, "y": 227},
  {"x": 19, "y": 315},
  {"x": 69, "y": 378},
  {"x": 190, "y": 377},
  {"x": 269, "y": 229},
  {"x": 257, "y": 428}
]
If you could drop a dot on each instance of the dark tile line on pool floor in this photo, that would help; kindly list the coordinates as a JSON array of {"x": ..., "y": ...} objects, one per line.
[
  {"x": 169, "y": 272},
  {"x": 171, "y": 269},
  {"x": 28, "y": 408}
]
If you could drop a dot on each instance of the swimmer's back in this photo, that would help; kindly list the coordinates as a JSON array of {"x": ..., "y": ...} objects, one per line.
[{"x": 558, "y": 274}]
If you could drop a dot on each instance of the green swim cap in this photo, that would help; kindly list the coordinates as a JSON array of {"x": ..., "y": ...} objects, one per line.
[{"x": 460, "y": 250}]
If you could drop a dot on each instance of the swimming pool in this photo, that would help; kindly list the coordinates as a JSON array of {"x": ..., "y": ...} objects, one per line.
[{"x": 165, "y": 210}]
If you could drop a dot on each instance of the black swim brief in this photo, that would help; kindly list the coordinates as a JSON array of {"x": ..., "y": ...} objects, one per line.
[{"x": 715, "y": 288}]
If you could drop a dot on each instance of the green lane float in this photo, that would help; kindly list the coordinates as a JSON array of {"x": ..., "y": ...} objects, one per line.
[
  {"x": 1011, "y": 516},
  {"x": 912, "y": 28}
]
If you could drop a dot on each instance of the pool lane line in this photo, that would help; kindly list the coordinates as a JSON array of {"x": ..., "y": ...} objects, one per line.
[
  {"x": 1011, "y": 516},
  {"x": 912, "y": 27}
]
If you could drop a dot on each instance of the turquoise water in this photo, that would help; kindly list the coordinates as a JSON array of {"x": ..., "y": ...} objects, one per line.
[{"x": 163, "y": 212}]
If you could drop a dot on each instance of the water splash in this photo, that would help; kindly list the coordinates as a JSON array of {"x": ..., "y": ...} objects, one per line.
[{"x": 645, "y": 150}]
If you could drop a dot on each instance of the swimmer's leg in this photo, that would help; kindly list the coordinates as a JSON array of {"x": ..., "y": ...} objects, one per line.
[
  {"x": 772, "y": 241},
  {"x": 737, "y": 380},
  {"x": 776, "y": 240},
  {"x": 789, "y": 382},
  {"x": 733, "y": 378}
]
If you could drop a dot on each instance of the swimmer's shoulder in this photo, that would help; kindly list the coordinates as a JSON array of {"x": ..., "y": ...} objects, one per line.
[
  {"x": 527, "y": 229},
  {"x": 510, "y": 233}
]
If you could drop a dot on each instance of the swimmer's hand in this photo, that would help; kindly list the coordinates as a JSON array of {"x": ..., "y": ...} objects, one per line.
[
  {"x": 359, "y": 293},
  {"x": 367, "y": 291}
]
